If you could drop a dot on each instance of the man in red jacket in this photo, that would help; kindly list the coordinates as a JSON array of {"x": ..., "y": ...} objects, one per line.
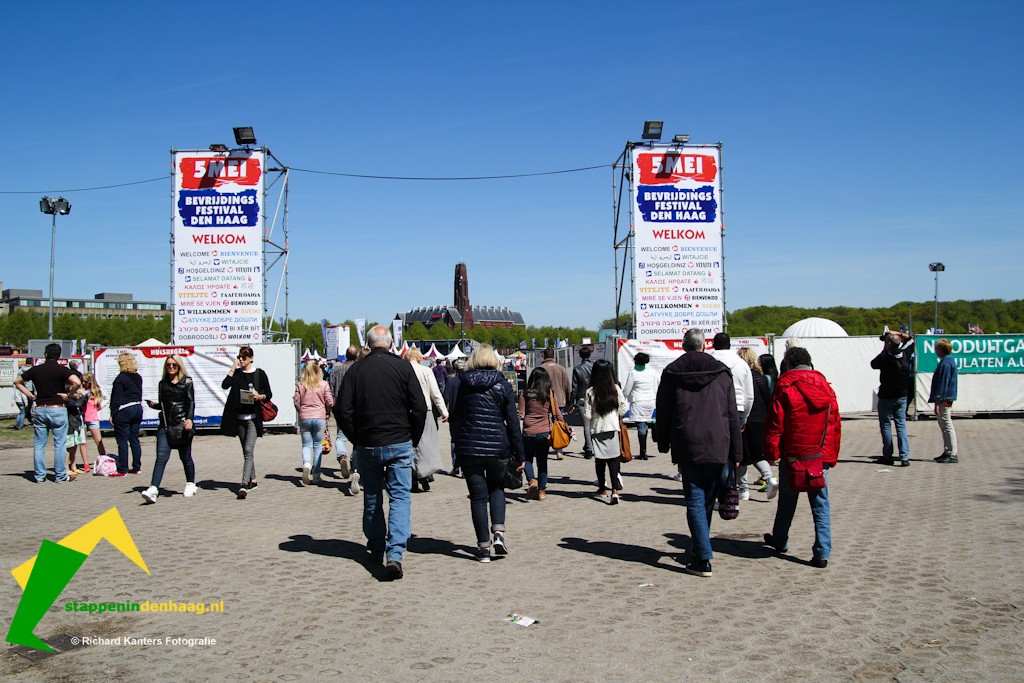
[{"x": 803, "y": 420}]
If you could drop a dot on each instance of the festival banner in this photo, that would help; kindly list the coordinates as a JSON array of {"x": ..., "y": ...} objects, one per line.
[
  {"x": 335, "y": 341},
  {"x": 218, "y": 247},
  {"x": 396, "y": 333},
  {"x": 361, "y": 331},
  {"x": 678, "y": 239},
  {"x": 974, "y": 353}
]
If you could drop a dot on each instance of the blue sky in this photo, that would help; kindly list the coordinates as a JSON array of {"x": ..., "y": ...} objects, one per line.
[{"x": 861, "y": 142}]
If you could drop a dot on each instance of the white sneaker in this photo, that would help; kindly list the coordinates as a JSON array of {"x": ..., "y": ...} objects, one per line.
[
  {"x": 677, "y": 476},
  {"x": 354, "y": 486},
  {"x": 306, "y": 467},
  {"x": 151, "y": 494},
  {"x": 773, "y": 488},
  {"x": 190, "y": 489},
  {"x": 745, "y": 495}
]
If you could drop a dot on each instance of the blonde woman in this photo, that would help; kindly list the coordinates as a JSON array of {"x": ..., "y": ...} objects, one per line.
[
  {"x": 126, "y": 414},
  {"x": 488, "y": 441},
  {"x": 177, "y": 405},
  {"x": 753, "y": 431},
  {"x": 313, "y": 401},
  {"x": 428, "y": 457},
  {"x": 92, "y": 413}
]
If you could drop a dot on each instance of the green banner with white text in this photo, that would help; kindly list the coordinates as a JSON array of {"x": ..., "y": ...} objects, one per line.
[{"x": 975, "y": 353}]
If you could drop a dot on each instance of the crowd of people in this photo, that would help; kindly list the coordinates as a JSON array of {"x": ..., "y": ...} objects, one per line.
[{"x": 717, "y": 412}]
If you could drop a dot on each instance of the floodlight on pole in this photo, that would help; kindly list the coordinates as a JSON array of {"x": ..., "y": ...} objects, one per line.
[
  {"x": 681, "y": 139},
  {"x": 53, "y": 207},
  {"x": 245, "y": 136},
  {"x": 936, "y": 268},
  {"x": 652, "y": 130}
]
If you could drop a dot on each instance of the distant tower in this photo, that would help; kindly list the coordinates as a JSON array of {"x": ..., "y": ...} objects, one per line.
[{"x": 462, "y": 295}]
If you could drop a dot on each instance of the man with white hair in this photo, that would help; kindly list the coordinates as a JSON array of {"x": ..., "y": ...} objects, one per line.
[{"x": 383, "y": 412}]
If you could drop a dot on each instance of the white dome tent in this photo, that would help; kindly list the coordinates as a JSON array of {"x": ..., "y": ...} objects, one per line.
[{"x": 815, "y": 327}]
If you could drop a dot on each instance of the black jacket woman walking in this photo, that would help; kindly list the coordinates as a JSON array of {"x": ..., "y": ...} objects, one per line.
[
  {"x": 177, "y": 405},
  {"x": 487, "y": 438},
  {"x": 247, "y": 387}
]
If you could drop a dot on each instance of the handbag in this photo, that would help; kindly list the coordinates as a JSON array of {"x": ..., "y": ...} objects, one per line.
[
  {"x": 729, "y": 496},
  {"x": 326, "y": 446},
  {"x": 176, "y": 435},
  {"x": 560, "y": 436},
  {"x": 513, "y": 478},
  {"x": 625, "y": 452},
  {"x": 807, "y": 472},
  {"x": 268, "y": 411}
]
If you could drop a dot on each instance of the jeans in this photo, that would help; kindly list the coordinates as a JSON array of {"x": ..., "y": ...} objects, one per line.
[
  {"x": 247, "y": 437},
  {"x": 484, "y": 478},
  {"x": 588, "y": 443},
  {"x": 390, "y": 468},
  {"x": 126, "y": 431},
  {"x": 701, "y": 483},
  {"x": 536, "y": 446},
  {"x": 948, "y": 433},
  {"x": 19, "y": 421},
  {"x": 819, "y": 512},
  {"x": 896, "y": 409},
  {"x": 46, "y": 419},
  {"x": 312, "y": 432},
  {"x": 163, "y": 454}
]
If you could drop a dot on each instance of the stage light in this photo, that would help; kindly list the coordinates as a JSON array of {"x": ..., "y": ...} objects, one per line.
[
  {"x": 218, "y": 147},
  {"x": 652, "y": 130},
  {"x": 681, "y": 139},
  {"x": 245, "y": 136},
  {"x": 936, "y": 267}
]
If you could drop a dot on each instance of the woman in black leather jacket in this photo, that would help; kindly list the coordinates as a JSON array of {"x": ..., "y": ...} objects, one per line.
[{"x": 177, "y": 405}]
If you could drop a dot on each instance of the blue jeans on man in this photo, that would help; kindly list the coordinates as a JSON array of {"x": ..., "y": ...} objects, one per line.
[
  {"x": 896, "y": 410},
  {"x": 46, "y": 419},
  {"x": 701, "y": 483},
  {"x": 386, "y": 468},
  {"x": 19, "y": 422},
  {"x": 820, "y": 512}
]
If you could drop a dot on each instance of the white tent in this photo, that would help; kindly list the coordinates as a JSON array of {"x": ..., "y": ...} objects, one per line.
[
  {"x": 456, "y": 353},
  {"x": 151, "y": 342},
  {"x": 311, "y": 355},
  {"x": 433, "y": 352},
  {"x": 815, "y": 327}
]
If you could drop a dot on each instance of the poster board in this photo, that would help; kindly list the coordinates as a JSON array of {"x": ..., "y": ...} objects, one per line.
[
  {"x": 207, "y": 366},
  {"x": 662, "y": 353},
  {"x": 677, "y": 202},
  {"x": 218, "y": 247}
]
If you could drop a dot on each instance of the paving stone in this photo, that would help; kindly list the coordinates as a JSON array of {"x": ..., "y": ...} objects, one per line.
[{"x": 925, "y": 582}]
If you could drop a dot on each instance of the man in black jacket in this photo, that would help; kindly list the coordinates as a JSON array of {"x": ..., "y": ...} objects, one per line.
[
  {"x": 580, "y": 382},
  {"x": 698, "y": 421},
  {"x": 894, "y": 366},
  {"x": 383, "y": 412}
]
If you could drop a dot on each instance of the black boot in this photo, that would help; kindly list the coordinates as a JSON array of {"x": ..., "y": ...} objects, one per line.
[{"x": 643, "y": 446}]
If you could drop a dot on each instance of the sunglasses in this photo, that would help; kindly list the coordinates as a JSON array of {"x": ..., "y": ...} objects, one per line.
[{"x": 172, "y": 365}]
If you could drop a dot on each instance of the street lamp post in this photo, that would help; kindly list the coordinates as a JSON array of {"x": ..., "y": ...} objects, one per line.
[
  {"x": 936, "y": 268},
  {"x": 53, "y": 207}
]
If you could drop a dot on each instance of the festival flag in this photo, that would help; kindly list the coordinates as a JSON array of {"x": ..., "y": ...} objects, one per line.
[{"x": 361, "y": 330}]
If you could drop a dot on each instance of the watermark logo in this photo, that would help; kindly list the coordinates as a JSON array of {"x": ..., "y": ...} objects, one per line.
[{"x": 43, "y": 578}]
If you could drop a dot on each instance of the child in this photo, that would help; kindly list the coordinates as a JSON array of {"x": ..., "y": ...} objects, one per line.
[
  {"x": 76, "y": 428},
  {"x": 92, "y": 414}
]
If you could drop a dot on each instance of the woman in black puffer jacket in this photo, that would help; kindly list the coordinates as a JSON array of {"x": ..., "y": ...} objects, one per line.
[
  {"x": 487, "y": 438},
  {"x": 177, "y": 406}
]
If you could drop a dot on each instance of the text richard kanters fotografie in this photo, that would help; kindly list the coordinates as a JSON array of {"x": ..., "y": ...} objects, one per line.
[
  {"x": 128, "y": 641},
  {"x": 145, "y": 606}
]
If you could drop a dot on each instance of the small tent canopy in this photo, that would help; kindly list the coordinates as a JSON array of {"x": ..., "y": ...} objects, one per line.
[
  {"x": 815, "y": 327},
  {"x": 311, "y": 355},
  {"x": 456, "y": 353},
  {"x": 151, "y": 342},
  {"x": 433, "y": 352}
]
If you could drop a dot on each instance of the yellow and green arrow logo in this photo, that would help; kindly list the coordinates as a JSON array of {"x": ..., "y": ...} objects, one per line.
[{"x": 44, "y": 576}]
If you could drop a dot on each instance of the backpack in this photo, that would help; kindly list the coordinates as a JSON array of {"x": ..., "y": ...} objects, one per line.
[{"x": 105, "y": 466}]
